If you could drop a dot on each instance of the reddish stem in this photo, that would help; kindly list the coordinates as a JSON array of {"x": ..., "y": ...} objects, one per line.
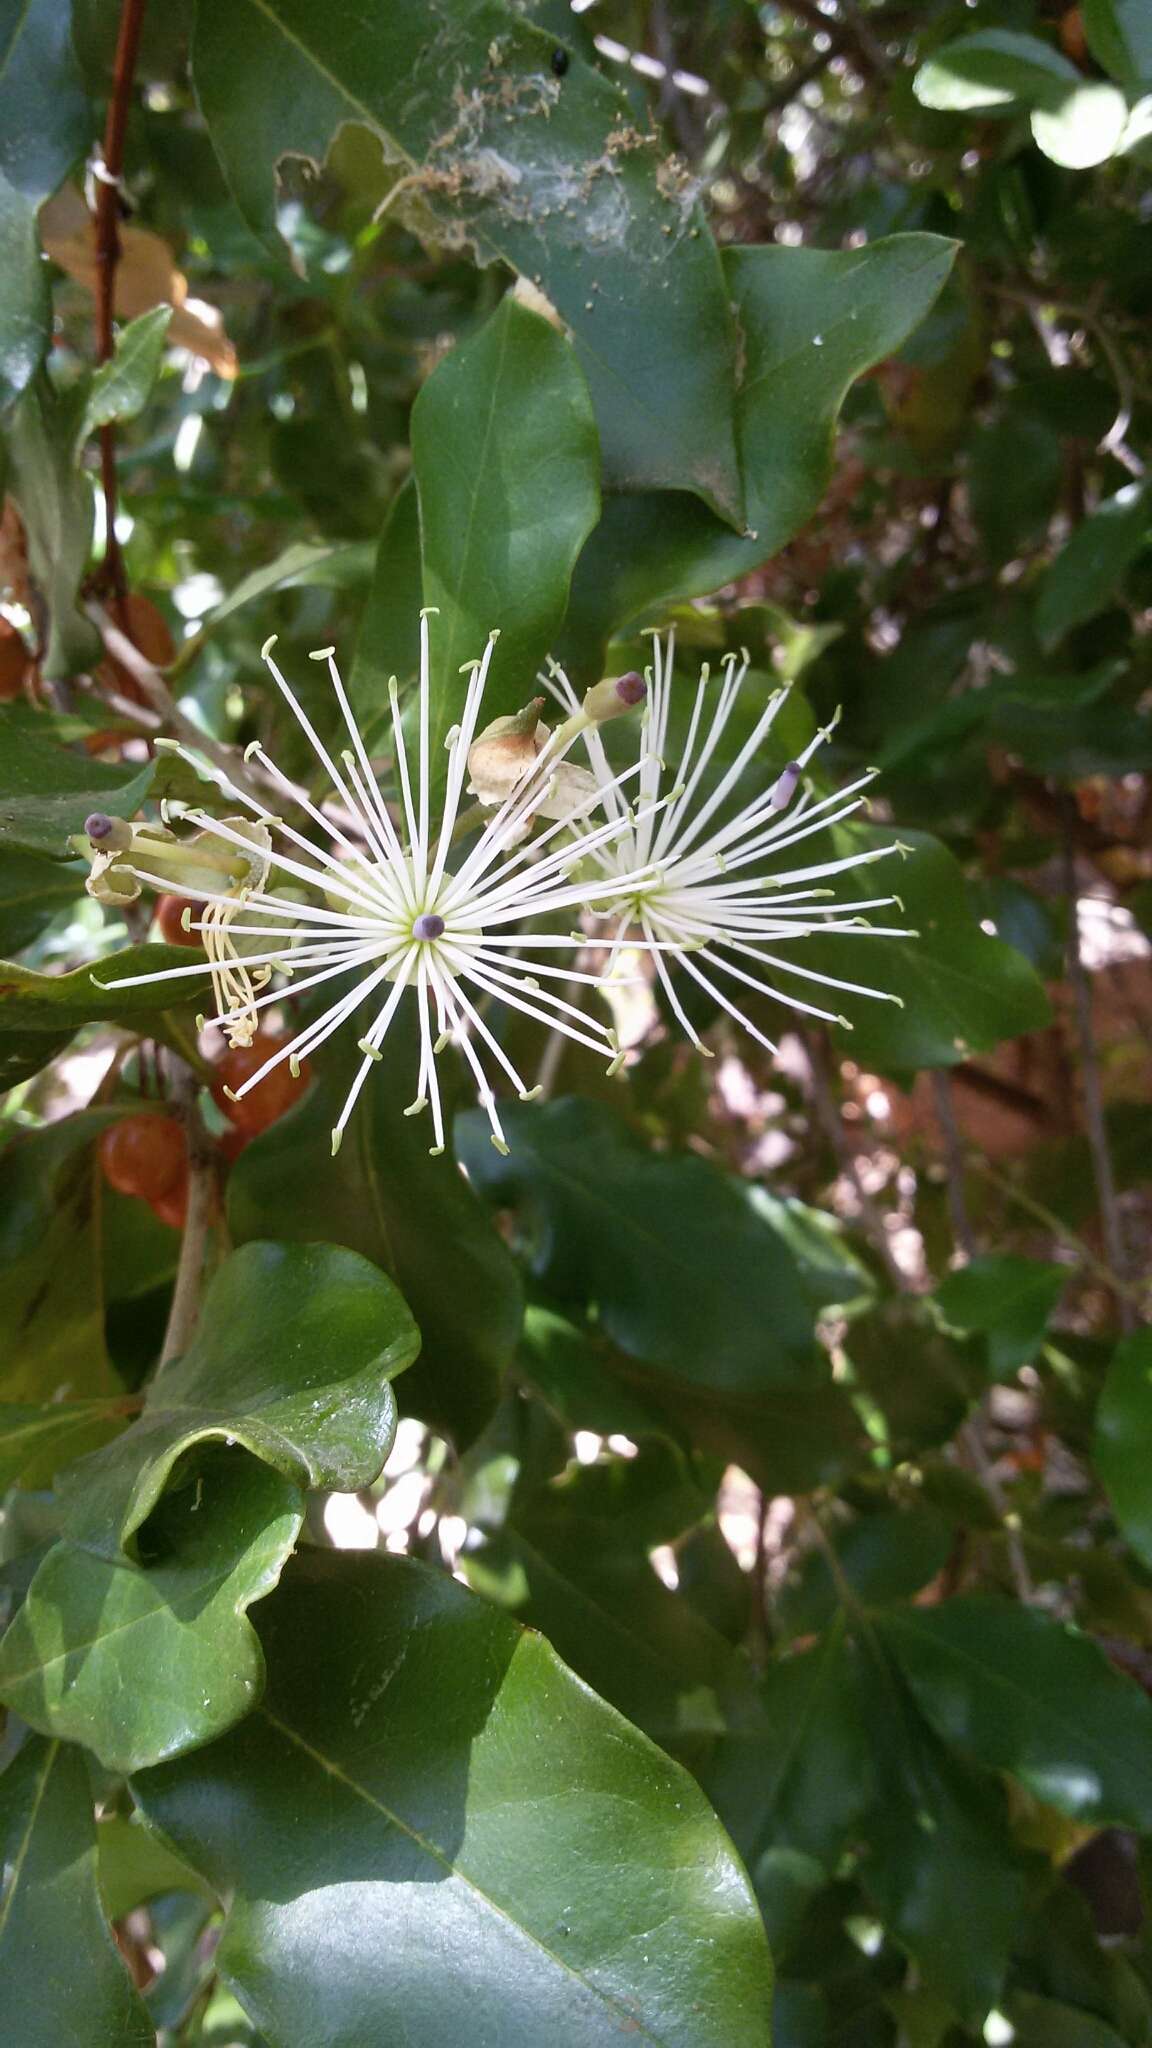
[{"x": 107, "y": 211}]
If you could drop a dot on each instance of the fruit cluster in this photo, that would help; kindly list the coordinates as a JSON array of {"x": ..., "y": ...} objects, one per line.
[{"x": 146, "y": 1154}]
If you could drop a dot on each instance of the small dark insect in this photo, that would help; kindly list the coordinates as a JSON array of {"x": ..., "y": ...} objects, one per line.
[{"x": 560, "y": 62}]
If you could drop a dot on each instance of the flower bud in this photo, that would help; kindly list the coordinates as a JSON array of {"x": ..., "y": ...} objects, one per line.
[
  {"x": 614, "y": 696},
  {"x": 111, "y": 835},
  {"x": 504, "y": 752}
]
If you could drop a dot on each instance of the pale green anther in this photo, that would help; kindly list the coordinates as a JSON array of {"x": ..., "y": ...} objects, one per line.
[
  {"x": 294, "y": 1066},
  {"x": 444, "y": 1039},
  {"x": 337, "y": 1141},
  {"x": 532, "y": 1094},
  {"x": 414, "y": 1108},
  {"x": 498, "y": 1145},
  {"x": 371, "y": 1052}
]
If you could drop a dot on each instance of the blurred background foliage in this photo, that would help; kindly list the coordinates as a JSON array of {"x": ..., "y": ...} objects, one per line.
[{"x": 804, "y": 1407}]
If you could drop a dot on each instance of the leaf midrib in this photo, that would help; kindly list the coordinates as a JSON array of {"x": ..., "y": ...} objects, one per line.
[
  {"x": 21, "y": 1855},
  {"x": 331, "y": 1769},
  {"x": 1005, "y": 1683}
]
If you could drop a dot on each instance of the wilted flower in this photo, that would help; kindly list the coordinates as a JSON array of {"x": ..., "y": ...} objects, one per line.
[
  {"x": 385, "y": 912},
  {"x": 693, "y": 905}
]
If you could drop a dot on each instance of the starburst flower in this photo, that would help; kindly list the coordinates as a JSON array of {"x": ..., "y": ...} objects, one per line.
[
  {"x": 377, "y": 906},
  {"x": 719, "y": 888}
]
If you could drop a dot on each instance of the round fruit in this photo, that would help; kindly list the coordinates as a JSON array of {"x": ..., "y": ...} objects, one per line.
[
  {"x": 172, "y": 1208},
  {"x": 143, "y": 1155},
  {"x": 169, "y": 915},
  {"x": 265, "y": 1103},
  {"x": 13, "y": 661}
]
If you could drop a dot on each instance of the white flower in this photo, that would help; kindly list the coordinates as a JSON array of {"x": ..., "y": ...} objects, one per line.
[
  {"x": 716, "y": 890},
  {"x": 384, "y": 905}
]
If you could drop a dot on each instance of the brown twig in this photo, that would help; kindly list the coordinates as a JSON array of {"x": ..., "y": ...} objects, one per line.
[
  {"x": 108, "y": 172},
  {"x": 954, "y": 1160},
  {"x": 164, "y": 705},
  {"x": 1096, "y": 1129},
  {"x": 253, "y": 781}
]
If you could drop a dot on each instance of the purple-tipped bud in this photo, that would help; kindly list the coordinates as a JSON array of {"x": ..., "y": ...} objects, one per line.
[
  {"x": 785, "y": 788},
  {"x": 428, "y": 926},
  {"x": 614, "y": 696},
  {"x": 631, "y": 689},
  {"x": 98, "y": 825}
]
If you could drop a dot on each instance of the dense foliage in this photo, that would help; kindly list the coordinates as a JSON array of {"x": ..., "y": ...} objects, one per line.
[{"x": 505, "y": 1593}]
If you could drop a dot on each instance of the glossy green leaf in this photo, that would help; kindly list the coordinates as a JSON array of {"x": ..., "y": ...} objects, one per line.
[
  {"x": 812, "y": 321},
  {"x": 292, "y": 1358},
  {"x": 1086, "y": 128},
  {"x": 789, "y": 1440},
  {"x": 1039, "y": 2022},
  {"x": 305, "y": 564},
  {"x": 135, "y": 1865},
  {"x": 25, "y": 310},
  {"x": 1006, "y": 1300},
  {"x": 39, "y": 1013},
  {"x": 802, "y": 1775},
  {"x": 962, "y": 989},
  {"x": 1123, "y": 1447},
  {"x": 915, "y": 1382},
  {"x": 389, "y": 639},
  {"x": 1119, "y": 36},
  {"x": 55, "y": 499},
  {"x": 882, "y": 1556},
  {"x": 550, "y": 175},
  {"x": 61, "y": 1979},
  {"x": 32, "y": 892},
  {"x": 939, "y": 1860},
  {"x": 37, "y": 1442},
  {"x": 413, "y": 1215},
  {"x": 679, "y": 1261},
  {"x": 993, "y": 68},
  {"x": 1022, "y": 1693},
  {"x": 579, "y": 1549},
  {"x": 46, "y": 123},
  {"x": 699, "y": 1278},
  {"x": 1090, "y": 566},
  {"x": 507, "y": 466},
  {"x": 121, "y": 387},
  {"x": 453, "y": 1827},
  {"x": 47, "y": 791},
  {"x": 570, "y": 1371},
  {"x": 51, "y": 1292},
  {"x": 140, "y": 1661},
  {"x": 30, "y": 1001}
]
